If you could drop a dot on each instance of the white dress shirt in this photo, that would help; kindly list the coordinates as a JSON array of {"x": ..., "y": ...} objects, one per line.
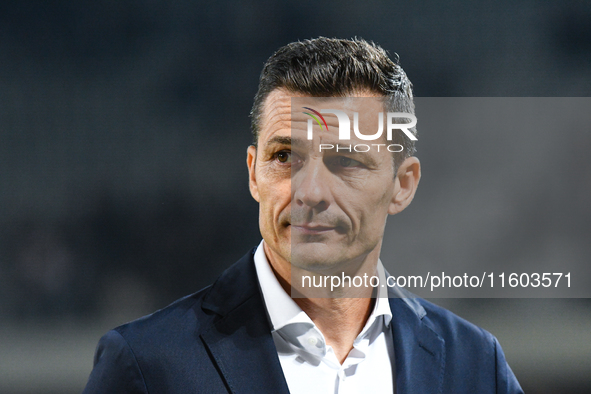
[{"x": 308, "y": 363}]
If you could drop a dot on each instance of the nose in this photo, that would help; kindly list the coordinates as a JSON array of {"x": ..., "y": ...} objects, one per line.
[{"x": 311, "y": 186}]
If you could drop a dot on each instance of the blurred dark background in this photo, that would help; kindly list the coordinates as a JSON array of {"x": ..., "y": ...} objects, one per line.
[{"x": 123, "y": 185}]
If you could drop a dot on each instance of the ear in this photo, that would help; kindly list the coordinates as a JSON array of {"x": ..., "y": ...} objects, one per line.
[
  {"x": 251, "y": 158},
  {"x": 405, "y": 185}
]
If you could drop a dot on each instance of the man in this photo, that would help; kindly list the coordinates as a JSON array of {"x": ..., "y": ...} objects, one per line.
[{"x": 323, "y": 208}]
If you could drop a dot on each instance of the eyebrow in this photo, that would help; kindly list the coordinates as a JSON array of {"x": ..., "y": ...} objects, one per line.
[
  {"x": 288, "y": 140},
  {"x": 281, "y": 140},
  {"x": 368, "y": 159}
]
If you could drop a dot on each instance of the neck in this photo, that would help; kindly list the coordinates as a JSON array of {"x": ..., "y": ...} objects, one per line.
[
  {"x": 340, "y": 312},
  {"x": 339, "y": 319}
]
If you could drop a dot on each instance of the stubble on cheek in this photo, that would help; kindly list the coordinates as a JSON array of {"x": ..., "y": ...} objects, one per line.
[{"x": 275, "y": 199}]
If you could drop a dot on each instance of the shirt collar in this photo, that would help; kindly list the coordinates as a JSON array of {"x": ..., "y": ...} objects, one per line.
[{"x": 283, "y": 310}]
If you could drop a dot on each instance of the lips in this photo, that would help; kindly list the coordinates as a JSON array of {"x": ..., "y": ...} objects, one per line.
[
  {"x": 312, "y": 228},
  {"x": 307, "y": 222}
]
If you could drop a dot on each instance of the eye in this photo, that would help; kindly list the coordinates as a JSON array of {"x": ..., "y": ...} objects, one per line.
[
  {"x": 283, "y": 156},
  {"x": 348, "y": 162}
]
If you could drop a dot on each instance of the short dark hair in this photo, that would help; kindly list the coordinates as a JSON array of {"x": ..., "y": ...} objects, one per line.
[{"x": 330, "y": 67}]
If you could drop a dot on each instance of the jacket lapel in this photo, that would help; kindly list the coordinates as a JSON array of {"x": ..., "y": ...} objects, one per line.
[
  {"x": 241, "y": 345},
  {"x": 419, "y": 351},
  {"x": 239, "y": 339}
]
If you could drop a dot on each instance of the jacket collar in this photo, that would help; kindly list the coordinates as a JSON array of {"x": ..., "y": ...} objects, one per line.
[
  {"x": 242, "y": 347},
  {"x": 239, "y": 339},
  {"x": 419, "y": 351}
]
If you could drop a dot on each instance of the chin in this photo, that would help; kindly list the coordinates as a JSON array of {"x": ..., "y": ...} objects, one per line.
[{"x": 316, "y": 257}]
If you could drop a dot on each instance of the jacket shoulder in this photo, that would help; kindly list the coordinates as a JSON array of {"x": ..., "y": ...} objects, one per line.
[
  {"x": 165, "y": 351},
  {"x": 472, "y": 354},
  {"x": 198, "y": 311},
  {"x": 184, "y": 313},
  {"x": 451, "y": 327},
  {"x": 159, "y": 353}
]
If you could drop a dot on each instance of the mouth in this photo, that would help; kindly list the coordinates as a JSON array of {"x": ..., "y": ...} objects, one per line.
[{"x": 311, "y": 228}]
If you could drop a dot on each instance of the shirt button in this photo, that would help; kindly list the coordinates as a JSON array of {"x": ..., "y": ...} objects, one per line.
[{"x": 312, "y": 341}]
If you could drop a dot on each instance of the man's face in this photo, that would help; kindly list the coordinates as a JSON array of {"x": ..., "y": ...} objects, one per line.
[{"x": 322, "y": 211}]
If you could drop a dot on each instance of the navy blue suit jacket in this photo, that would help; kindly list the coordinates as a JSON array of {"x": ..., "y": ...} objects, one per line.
[{"x": 218, "y": 340}]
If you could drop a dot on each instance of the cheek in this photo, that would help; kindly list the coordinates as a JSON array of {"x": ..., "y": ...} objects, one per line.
[
  {"x": 276, "y": 191},
  {"x": 266, "y": 222},
  {"x": 274, "y": 200},
  {"x": 374, "y": 210}
]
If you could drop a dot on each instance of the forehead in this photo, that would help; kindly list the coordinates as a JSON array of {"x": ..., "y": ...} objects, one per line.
[
  {"x": 276, "y": 112},
  {"x": 289, "y": 112}
]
